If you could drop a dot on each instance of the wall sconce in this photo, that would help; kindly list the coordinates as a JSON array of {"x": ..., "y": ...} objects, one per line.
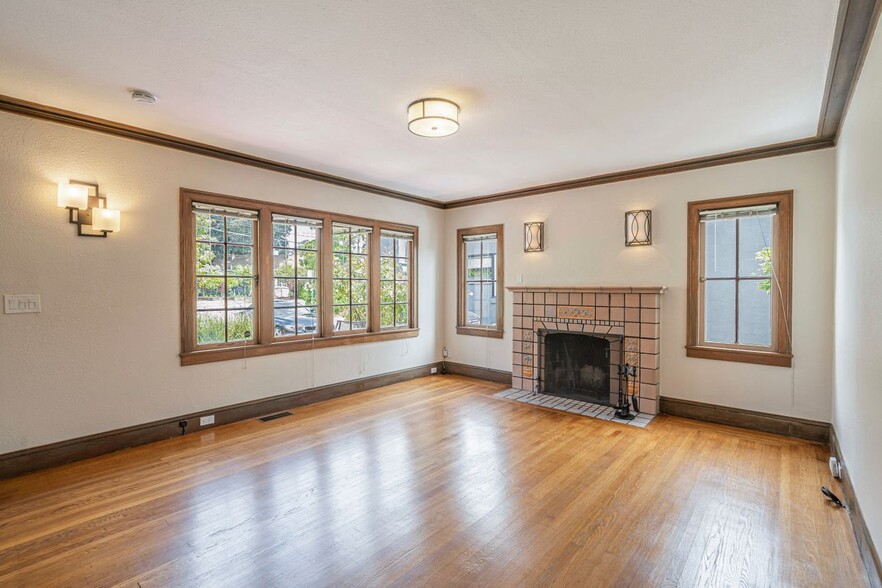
[
  {"x": 534, "y": 237},
  {"x": 87, "y": 209},
  {"x": 638, "y": 227}
]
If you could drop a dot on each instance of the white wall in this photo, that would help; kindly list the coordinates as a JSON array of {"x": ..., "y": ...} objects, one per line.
[
  {"x": 103, "y": 353},
  {"x": 585, "y": 235},
  {"x": 857, "y": 400}
]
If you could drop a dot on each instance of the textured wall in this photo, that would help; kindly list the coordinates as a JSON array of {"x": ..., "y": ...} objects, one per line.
[
  {"x": 585, "y": 234},
  {"x": 857, "y": 399},
  {"x": 103, "y": 354}
]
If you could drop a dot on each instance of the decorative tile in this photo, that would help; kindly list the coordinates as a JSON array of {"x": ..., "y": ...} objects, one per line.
[
  {"x": 585, "y": 313},
  {"x": 588, "y": 409}
]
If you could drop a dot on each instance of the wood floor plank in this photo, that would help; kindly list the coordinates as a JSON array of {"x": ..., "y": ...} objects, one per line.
[{"x": 434, "y": 482}]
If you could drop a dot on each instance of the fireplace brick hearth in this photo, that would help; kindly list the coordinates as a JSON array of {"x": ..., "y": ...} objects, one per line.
[{"x": 630, "y": 312}]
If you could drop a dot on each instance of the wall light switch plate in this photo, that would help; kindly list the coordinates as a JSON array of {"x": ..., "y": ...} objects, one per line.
[
  {"x": 206, "y": 420},
  {"x": 21, "y": 303}
]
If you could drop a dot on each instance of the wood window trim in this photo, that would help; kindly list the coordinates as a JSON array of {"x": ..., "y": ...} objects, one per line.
[
  {"x": 495, "y": 331},
  {"x": 266, "y": 343},
  {"x": 781, "y": 351}
]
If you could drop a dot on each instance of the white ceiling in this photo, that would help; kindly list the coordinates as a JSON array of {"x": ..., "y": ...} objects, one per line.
[{"x": 549, "y": 91}]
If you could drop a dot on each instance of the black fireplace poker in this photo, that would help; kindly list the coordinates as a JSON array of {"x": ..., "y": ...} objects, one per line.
[{"x": 623, "y": 408}]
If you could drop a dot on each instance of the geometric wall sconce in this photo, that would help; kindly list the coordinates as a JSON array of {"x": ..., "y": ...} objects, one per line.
[
  {"x": 638, "y": 227},
  {"x": 534, "y": 237},
  {"x": 87, "y": 210}
]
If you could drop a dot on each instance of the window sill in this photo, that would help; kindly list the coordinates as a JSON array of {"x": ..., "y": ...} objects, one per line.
[
  {"x": 229, "y": 353},
  {"x": 480, "y": 332},
  {"x": 740, "y": 355}
]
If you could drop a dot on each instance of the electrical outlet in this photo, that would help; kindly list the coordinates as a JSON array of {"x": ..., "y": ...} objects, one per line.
[
  {"x": 433, "y": 371},
  {"x": 206, "y": 420}
]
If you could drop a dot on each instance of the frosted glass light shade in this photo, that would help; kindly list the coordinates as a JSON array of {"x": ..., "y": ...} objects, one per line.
[
  {"x": 638, "y": 227},
  {"x": 433, "y": 117},
  {"x": 534, "y": 237},
  {"x": 105, "y": 219},
  {"x": 73, "y": 195}
]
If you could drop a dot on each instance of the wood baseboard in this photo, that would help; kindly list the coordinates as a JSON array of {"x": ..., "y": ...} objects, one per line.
[
  {"x": 867, "y": 549},
  {"x": 62, "y": 452},
  {"x": 482, "y": 373},
  {"x": 816, "y": 431}
]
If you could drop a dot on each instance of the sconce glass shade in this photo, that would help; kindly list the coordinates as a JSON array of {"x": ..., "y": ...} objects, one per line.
[
  {"x": 433, "y": 117},
  {"x": 534, "y": 237},
  {"x": 105, "y": 219},
  {"x": 73, "y": 195},
  {"x": 638, "y": 227}
]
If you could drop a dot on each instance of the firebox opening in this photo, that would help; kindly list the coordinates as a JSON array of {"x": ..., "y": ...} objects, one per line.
[{"x": 577, "y": 366}]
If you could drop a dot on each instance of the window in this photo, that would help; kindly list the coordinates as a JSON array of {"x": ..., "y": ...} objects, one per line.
[
  {"x": 395, "y": 295},
  {"x": 480, "y": 286},
  {"x": 330, "y": 279},
  {"x": 224, "y": 276},
  {"x": 295, "y": 276},
  {"x": 351, "y": 245},
  {"x": 739, "y": 279}
]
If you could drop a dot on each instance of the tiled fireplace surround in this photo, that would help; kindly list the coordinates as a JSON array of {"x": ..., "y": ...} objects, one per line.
[{"x": 634, "y": 312}]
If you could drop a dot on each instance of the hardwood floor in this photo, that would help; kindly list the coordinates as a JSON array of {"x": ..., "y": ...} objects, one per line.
[{"x": 434, "y": 483}]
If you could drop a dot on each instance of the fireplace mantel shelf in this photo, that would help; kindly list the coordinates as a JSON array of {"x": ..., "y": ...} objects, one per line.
[{"x": 595, "y": 289}]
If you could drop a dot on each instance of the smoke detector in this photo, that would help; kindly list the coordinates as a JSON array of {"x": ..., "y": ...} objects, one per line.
[{"x": 143, "y": 97}]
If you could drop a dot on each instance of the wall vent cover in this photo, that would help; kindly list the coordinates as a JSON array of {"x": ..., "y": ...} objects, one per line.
[{"x": 272, "y": 417}]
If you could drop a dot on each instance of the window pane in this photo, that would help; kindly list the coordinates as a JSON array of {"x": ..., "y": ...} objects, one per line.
[
  {"x": 387, "y": 315},
  {"x": 754, "y": 247},
  {"x": 387, "y": 246},
  {"x": 240, "y": 293},
  {"x": 488, "y": 305},
  {"x": 359, "y": 292},
  {"x": 285, "y": 293},
  {"x": 387, "y": 292},
  {"x": 719, "y": 245},
  {"x": 307, "y": 292},
  {"x": 401, "y": 315},
  {"x": 359, "y": 266},
  {"x": 283, "y": 262},
  {"x": 400, "y": 269},
  {"x": 307, "y": 320},
  {"x": 284, "y": 321},
  {"x": 754, "y": 314},
  {"x": 359, "y": 317},
  {"x": 341, "y": 265},
  {"x": 209, "y": 227},
  {"x": 240, "y": 322},
  {"x": 402, "y": 248},
  {"x": 341, "y": 241},
  {"x": 341, "y": 318},
  {"x": 719, "y": 311},
  {"x": 387, "y": 269},
  {"x": 210, "y": 327},
  {"x": 239, "y": 260},
  {"x": 341, "y": 292},
  {"x": 401, "y": 291},
  {"x": 306, "y": 264},
  {"x": 360, "y": 242},
  {"x": 240, "y": 230},
  {"x": 209, "y": 293},
  {"x": 283, "y": 235},
  {"x": 473, "y": 303},
  {"x": 307, "y": 238},
  {"x": 209, "y": 259}
]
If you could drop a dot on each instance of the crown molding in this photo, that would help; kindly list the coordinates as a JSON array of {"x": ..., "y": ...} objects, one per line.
[{"x": 100, "y": 125}]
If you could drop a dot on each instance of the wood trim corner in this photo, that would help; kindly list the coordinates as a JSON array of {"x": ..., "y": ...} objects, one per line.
[
  {"x": 817, "y": 431},
  {"x": 866, "y": 548}
]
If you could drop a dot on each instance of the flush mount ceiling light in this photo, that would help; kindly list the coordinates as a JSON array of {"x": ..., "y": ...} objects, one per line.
[
  {"x": 433, "y": 117},
  {"x": 143, "y": 97}
]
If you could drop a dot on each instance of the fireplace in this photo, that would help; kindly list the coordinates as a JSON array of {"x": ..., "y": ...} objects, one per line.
[
  {"x": 575, "y": 365},
  {"x": 627, "y": 320}
]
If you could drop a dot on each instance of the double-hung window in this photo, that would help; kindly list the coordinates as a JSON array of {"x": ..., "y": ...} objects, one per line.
[
  {"x": 480, "y": 288},
  {"x": 739, "y": 290},
  {"x": 260, "y": 278}
]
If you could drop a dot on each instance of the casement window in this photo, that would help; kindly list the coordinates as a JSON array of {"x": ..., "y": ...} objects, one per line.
[
  {"x": 480, "y": 287},
  {"x": 260, "y": 278},
  {"x": 739, "y": 295},
  {"x": 396, "y": 249}
]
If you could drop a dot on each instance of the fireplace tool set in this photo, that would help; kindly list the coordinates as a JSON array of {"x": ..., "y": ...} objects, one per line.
[{"x": 623, "y": 408}]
